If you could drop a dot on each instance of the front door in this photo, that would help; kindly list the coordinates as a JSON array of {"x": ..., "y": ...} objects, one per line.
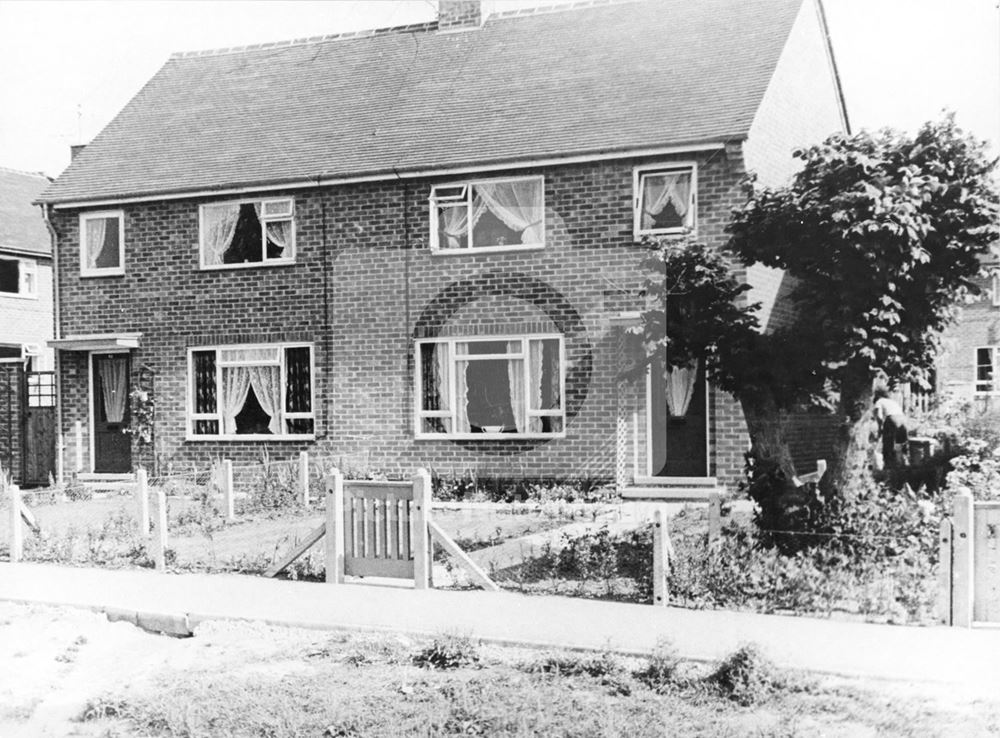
[
  {"x": 110, "y": 413},
  {"x": 678, "y": 423}
]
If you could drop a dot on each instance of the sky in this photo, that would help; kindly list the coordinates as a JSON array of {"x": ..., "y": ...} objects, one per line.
[{"x": 68, "y": 66}]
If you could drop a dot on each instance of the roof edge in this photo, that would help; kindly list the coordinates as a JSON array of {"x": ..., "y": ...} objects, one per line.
[
  {"x": 321, "y": 180},
  {"x": 828, "y": 43}
]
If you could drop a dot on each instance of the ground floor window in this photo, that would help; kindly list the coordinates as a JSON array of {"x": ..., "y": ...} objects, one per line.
[
  {"x": 497, "y": 386},
  {"x": 986, "y": 369},
  {"x": 247, "y": 391}
]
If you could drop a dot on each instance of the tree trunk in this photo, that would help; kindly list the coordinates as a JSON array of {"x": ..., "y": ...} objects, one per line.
[
  {"x": 849, "y": 464},
  {"x": 768, "y": 426}
]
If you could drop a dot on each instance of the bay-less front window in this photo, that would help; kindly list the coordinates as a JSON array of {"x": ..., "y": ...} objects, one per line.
[
  {"x": 102, "y": 246},
  {"x": 986, "y": 369},
  {"x": 248, "y": 391},
  {"x": 19, "y": 277},
  {"x": 237, "y": 234},
  {"x": 665, "y": 200},
  {"x": 494, "y": 214},
  {"x": 501, "y": 387}
]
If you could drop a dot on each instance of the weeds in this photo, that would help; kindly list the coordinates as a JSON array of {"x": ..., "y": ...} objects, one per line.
[
  {"x": 745, "y": 677},
  {"x": 448, "y": 651}
]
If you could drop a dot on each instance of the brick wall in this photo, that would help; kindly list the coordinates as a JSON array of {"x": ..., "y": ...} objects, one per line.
[
  {"x": 11, "y": 441},
  {"x": 456, "y": 14},
  {"x": 363, "y": 285}
]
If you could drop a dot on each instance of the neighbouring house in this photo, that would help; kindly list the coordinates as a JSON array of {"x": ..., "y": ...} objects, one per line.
[
  {"x": 26, "y": 360},
  {"x": 968, "y": 366},
  {"x": 417, "y": 246}
]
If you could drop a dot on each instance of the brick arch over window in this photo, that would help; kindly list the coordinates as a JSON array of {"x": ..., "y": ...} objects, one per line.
[{"x": 439, "y": 312}]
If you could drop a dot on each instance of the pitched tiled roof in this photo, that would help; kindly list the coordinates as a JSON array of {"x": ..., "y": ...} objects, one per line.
[
  {"x": 21, "y": 226},
  {"x": 605, "y": 77}
]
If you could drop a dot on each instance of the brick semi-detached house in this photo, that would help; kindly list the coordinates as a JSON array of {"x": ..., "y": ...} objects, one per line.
[{"x": 417, "y": 246}]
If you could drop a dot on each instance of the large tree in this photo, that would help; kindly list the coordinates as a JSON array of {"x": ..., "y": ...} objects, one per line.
[{"x": 881, "y": 236}]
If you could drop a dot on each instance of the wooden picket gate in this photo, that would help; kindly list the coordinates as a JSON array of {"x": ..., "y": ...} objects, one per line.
[
  {"x": 970, "y": 562},
  {"x": 380, "y": 529}
]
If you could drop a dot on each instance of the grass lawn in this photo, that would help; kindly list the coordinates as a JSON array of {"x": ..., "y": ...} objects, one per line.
[{"x": 72, "y": 673}]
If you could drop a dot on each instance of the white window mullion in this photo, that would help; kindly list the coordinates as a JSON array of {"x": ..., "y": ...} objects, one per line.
[{"x": 468, "y": 220}]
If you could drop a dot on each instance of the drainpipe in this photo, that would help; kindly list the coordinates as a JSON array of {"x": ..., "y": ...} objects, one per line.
[{"x": 56, "y": 333}]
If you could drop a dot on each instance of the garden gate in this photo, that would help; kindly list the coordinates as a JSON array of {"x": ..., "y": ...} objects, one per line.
[
  {"x": 970, "y": 562},
  {"x": 381, "y": 529}
]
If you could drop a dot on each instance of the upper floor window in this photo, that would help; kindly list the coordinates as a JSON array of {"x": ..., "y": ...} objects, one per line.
[
  {"x": 986, "y": 369},
  {"x": 102, "y": 244},
  {"x": 664, "y": 200},
  {"x": 239, "y": 234},
  {"x": 251, "y": 391},
  {"x": 18, "y": 277},
  {"x": 501, "y": 387},
  {"x": 494, "y": 214}
]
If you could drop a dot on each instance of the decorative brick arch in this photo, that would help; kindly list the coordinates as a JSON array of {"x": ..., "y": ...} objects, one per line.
[{"x": 550, "y": 301}]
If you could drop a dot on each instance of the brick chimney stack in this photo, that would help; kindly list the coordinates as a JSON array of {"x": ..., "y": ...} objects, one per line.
[
  {"x": 75, "y": 149},
  {"x": 459, "y": 15}
]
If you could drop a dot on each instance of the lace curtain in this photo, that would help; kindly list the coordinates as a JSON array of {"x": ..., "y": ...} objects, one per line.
[
  {"x": 97, "y": 229},
  {"x": 278, "y": 232},
  {"x": 266, "y": 384},
  {"x": 462, "y": 390},
  {"x": 517, "y": 204},
  {"x": 219, "y": 223},
  {"x": 515, "y": 381},
  {"x": 235, "y": 386},
  {"x": 660, "y": 189},
  {"x": 112, "y": 374},
  {"x": 454, "y": 220},
  {"x": 680, "y": 389}
]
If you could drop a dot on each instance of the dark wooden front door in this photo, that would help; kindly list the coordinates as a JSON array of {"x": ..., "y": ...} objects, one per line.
[
  {"x": 678, "y": 444},
  {"x": 39, "y": 427},
  {"x": 110, "y": 408}
]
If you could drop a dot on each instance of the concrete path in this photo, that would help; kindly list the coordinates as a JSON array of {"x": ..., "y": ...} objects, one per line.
[{"x": 968, "y": 659}]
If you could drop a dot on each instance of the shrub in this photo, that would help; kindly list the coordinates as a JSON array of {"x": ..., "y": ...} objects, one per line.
[
  {"x": 597, "y": 665},
  {"x": 661, "y": 669},
  {"x": 274, "y": 485},
  {"x": 76, "y": 491},
  {"x": 448, "y": 651},
  {"x": 745, "y": 676}
]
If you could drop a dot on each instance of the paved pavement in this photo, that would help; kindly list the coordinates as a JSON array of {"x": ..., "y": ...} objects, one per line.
[{"x": 968, "y": 659}]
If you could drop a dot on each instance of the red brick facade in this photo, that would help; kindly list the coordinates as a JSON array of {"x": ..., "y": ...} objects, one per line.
[{"x": 364, "y": 286}]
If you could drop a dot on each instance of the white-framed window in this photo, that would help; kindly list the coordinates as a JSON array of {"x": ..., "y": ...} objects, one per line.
[
  {"x": 102, "y": 243},
  {"x": 987, "y": 361},
  {"x": 488, "y": 215},
  {"x": 665, "y": 199},
  {"x": 501, "y": 387},
  {"x": 18, "y": 277},
  {"x": 251, "y": 392},
  {"x": 247, "y": 233}
]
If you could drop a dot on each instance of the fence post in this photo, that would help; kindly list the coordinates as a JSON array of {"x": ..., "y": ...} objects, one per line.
[
  {"x": 142, "y": 500},
  {"x": 228, "y": 499},
  {"x": 304, "y": 476},
  {"x": 961, "y": 577},
  {"x": 16, "y": 526},
  {"x": 714, "y": 518},
  {"x": 79, "y": 446},
  {"x": 160, "y": 540},
  {"x": 334, "y": 484},
  {"x": 661, "y": 563},
  {"x": 421, "y": 536},
  {"x": 60, "y": 461},
  {"x": 944, "y": 573}
]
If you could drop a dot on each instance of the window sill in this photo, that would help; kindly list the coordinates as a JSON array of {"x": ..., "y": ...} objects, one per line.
[
  {"x": 486, "y": 436},
  {"x": 467, "y": 251},
  {"x": 677, "y": 232},
  {"x": 252, "y": 437},
  {"x": 248, "y": 265},
  {"x": 102, "y": 273},
  {"x": 18, "y": 296}
]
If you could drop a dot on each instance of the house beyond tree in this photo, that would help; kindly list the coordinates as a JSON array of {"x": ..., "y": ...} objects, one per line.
[{"x": 417, "y": 246}]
